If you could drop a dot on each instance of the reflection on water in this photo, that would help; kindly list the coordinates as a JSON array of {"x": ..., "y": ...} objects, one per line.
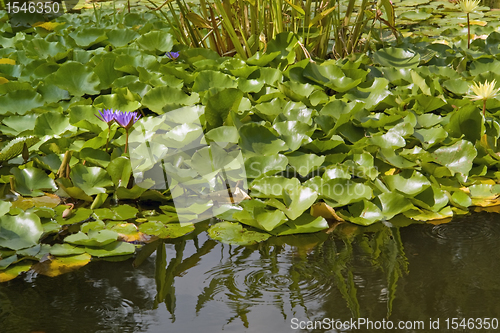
[{"x": 419, "y": 272}]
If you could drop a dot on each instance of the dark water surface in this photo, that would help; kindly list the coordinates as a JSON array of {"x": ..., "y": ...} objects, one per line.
[{"x": 414, "y": 273}]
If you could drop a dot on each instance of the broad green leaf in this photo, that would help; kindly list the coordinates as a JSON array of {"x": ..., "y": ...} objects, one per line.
[
  {"x": 121, "y": 37},
  {"x": 20, "y": 231},
  {"x": 302, "y": 225},
  {"x": 92, "y": 180},
  {"x": 259, "y": 140},
  {"x": 170, "y": 230},
  {"x": 206, "y": 80},
  {"x": 111, "y": 250},
  {"x": 219, "y": 106},
  {"x": 408, "y": 182},
  {"x": 126, "y": 101},
  {"x": 20, "y": 102},
  {"x": 235, "y": 234},
  {"x": 65, "y": 250},
  {"x": 293, "y": 133},
  {"x": 122, "y": 212},
  {"x": 52, "y": 123},
  {"x": 364, "y": 213},
  {"x": 88, "y": 36},
  {"x": 98, "y": 157},
  {"x": 257, "y": 166},
  {"x": 467, "y": 122},
  {"x": 457, "y": 157},
  {"x": 158, "y": 97},
  {"x": 305, "y": 163},
  {"x": 120, "y": 171},
  {"x": 393, "y": 203},
  {"x": 333, "y": 77},
  {"x": 396, "y": 57},
  {"x": 31, "y": 181},
  {"x": 156, "y": 40},
  {"x": 223, "y": 134},
  {"x": 76, "y": 78},
  {"x": 77, "y": 215},
  {"x": 344, "y": 191},
  {"x": 94, "y": 238}
]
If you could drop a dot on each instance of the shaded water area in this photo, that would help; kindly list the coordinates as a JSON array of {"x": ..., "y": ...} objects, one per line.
[{"x": 413, "y": 273}]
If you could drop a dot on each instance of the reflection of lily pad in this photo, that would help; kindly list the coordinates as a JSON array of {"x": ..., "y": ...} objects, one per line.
[{"x": 233, "y": 233}]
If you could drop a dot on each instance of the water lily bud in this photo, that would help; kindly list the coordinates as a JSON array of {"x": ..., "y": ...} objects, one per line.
[{"x": 66, "y": 213}]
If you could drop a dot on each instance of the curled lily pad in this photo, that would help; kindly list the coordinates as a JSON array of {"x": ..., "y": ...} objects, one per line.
[{"x": 15, "y": 147}]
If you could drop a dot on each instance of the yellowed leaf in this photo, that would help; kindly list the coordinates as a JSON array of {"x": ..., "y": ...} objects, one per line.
[
  {"x": 54, "y": 266},
  {"x": 7, "y": 61},
  {"x": 322, "y": 209},
  {"x": 440, "y": 221},
  {"x": 3, "y": 80}
]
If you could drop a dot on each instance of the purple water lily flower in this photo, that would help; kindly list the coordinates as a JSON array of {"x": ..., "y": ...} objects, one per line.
[
  {"x": 108, "y": 116},
  {"x": 172, "y": 55},
  {"x": 126, "y": 119}
]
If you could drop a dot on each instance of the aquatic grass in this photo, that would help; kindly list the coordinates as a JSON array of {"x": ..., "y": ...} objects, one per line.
[{"x": 244, "y": 27}]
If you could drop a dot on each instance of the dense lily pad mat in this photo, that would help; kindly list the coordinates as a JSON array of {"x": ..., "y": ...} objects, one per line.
[{"x": 363, "y": 140}]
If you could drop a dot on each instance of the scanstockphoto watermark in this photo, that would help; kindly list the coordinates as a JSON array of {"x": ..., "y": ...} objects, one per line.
[
  {"x": 203, "y": 177},
  {"x": 361, "y": 324},
  {"x": 309, "y": 170}
]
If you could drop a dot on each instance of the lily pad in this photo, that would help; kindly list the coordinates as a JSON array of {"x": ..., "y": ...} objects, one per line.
[{"x": 235, "y": 234}]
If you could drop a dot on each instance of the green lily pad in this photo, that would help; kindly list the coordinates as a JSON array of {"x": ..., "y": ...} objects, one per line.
[
  {"x": 235, "y": 234},
  {"x": 396, "y": 57},
  {"x": 169, "y": 230},
  {"x": 156, "y": 40},
  {"x": 122, "y": 212},
  {"x": 302, "y": 225},
  {"x": 111, "y": 250},
  {"x": 76, "y": 78},
  {"x": 52, "y": 123},
  {"x": 65, "y": 250},
  {"x": 92, "y": 180},
  {"x": 457, "y": 157},
  {"x": 94, "y": 238},
  {"x": 20, "y": 231},
  {"x": 31, "y": 181},
  {"x": 259, "y": 140},
  {"x": 20, "y": 102}
]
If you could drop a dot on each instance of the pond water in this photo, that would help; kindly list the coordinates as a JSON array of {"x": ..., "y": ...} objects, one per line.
[{"x": 415, "y": 273}]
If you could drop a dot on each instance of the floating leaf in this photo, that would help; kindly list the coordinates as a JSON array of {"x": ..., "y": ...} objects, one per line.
[
  {"x": 92, "y": 180},
  {"x": 20, "y": 231},
  {"x": 396, "y": 57},
  {"x": 53, "y": 266},
  {"x": 170, "y": 230},
  {"x": 76, "y": 78},
  {"x": 31, "y": 181},
  {"x": 235, "y": 234}
]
